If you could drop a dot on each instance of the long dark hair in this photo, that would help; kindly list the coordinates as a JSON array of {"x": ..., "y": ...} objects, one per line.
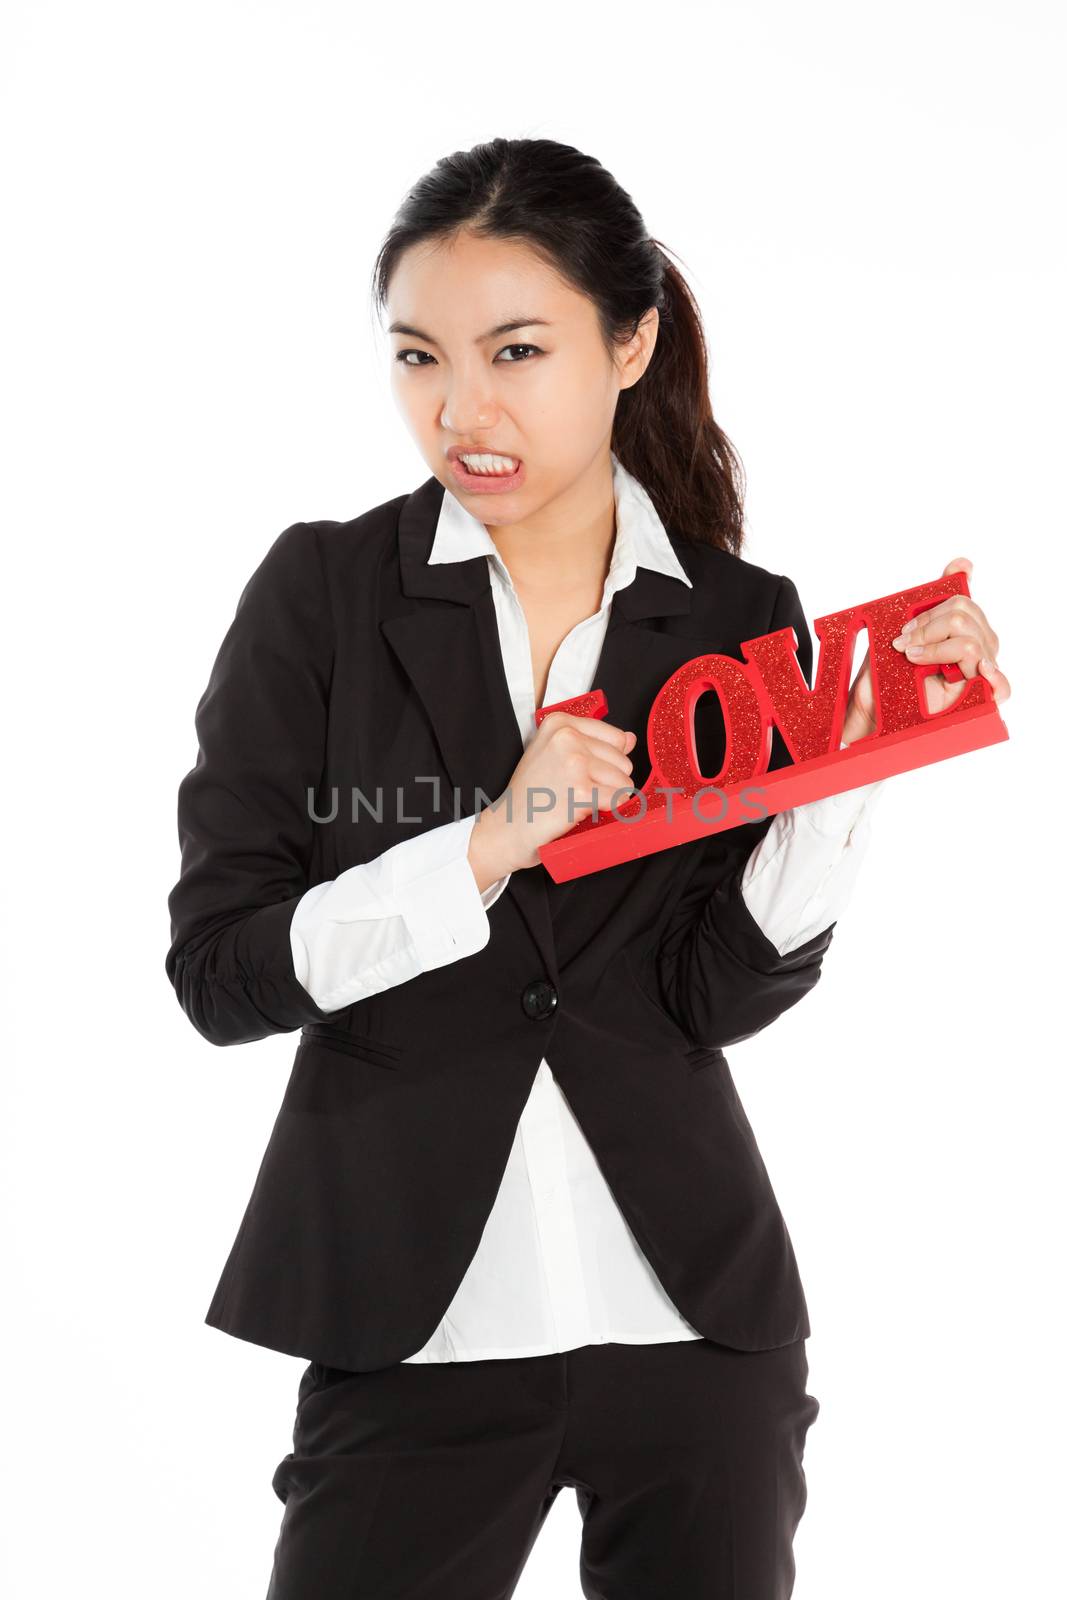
[{"x": 570, "y": 210}]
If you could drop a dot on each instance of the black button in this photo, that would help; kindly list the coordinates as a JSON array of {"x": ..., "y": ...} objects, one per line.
[{"x": 539, "y": 999}]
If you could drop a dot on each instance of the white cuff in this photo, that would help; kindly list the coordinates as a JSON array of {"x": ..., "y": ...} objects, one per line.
[
  {"x": 800, "y": 877},
  {"x": 837, "y": 814},
  {"x": 433, "y": 887},
  {"x": 381, "y": 923}
]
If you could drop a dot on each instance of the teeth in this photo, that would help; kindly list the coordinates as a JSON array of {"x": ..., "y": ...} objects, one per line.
[{"x": 490, "y": 464}]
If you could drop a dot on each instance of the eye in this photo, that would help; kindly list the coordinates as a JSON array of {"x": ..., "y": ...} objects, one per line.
[
  {"x": 533, "y": 347},
  {"x": 402, "y": 355}
]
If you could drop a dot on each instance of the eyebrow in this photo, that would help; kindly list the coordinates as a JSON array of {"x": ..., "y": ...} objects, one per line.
[{"x": 511, "y": 326}]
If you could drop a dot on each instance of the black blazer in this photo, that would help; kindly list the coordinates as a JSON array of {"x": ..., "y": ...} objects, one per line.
[{"x": 353, "y": 665}]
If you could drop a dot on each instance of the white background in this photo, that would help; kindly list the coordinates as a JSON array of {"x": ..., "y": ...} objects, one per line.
[{"x": 868, "y": 204}]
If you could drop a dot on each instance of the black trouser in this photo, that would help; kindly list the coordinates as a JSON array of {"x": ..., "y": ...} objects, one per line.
[{"x": 431, "y": 1482}]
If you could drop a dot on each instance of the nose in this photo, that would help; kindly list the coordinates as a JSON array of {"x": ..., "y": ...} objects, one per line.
[{"x": 469, "y": 407}]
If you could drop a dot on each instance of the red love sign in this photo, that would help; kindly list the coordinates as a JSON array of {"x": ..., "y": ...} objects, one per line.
[{"x": 678, "y": 803}]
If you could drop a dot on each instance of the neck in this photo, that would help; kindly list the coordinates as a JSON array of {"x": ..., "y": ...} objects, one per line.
[{"x": 568, "y": 543}]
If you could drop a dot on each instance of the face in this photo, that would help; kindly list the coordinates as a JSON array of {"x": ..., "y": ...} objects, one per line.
[{"x": 490, "y": 348}]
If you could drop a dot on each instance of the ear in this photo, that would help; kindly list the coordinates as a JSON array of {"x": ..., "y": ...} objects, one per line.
[{"x": 636, "y": 355}]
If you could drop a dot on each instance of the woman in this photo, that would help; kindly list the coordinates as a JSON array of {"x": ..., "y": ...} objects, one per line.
[{"x": 512, "y": 1212}]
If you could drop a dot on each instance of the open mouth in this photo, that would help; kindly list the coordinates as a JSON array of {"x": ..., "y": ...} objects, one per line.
[{"x": 490, "y": 474}]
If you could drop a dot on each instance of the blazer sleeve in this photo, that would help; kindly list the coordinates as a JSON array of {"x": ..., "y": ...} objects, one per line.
[
  {"x": 718, "y": 974},
  {"x": 244, "y": 823}
]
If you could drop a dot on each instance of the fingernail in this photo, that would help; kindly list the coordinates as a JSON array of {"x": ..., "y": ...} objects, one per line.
[{"x": 914, "y": 650}]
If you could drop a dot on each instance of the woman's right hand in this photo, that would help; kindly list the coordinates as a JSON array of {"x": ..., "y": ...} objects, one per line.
[{"x": 565, "y": 760}]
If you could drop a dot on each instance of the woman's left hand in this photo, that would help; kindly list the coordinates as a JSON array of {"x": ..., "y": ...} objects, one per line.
[{"x": 955, "y": 630}]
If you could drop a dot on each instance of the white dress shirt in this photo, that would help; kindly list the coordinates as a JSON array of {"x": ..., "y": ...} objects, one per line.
[{"x": 557, "y": 1265}]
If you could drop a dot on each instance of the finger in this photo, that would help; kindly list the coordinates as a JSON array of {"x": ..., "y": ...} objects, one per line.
[
  {"x": 964, "y": 650},
  {"x": 578, "y": 750},
  {"x": 609, "y": 784},
  {"x": 602, "y": 757},
  {"x": 594, "y": 727},
  {"x": 957, "y": 615},
  {"x": 934, "y": 616},
  {"x": 981, "y": 624},
  {"x": 1000, "y": 685},
  {"x": 973, "y": 663},
  {"x": 612, "y": 785},
  {"x": 959, "y": 564},
  {"x": 620, "y": 738}
]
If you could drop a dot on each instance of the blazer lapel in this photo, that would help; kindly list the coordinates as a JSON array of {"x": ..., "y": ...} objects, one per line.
[{"x": 443, "y": 630}]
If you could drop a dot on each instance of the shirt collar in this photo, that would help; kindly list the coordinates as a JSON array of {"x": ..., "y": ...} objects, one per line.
[{"x": 640, "y": 537}]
